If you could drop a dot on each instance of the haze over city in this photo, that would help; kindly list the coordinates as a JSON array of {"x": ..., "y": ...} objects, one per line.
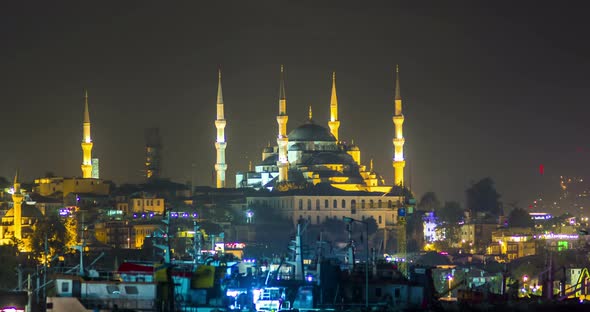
[{"x": 489, "y": 90}]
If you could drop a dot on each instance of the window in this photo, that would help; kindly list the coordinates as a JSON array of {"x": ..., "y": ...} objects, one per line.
[
  {"x": 317, "y": 205},
  {"x": 65, "y": 287},
  {"x": 353, "y": 204},
  {"x": 343, "y": 203},
  {"x": 317, "y": 220},
  {"x": 380, "y": 220},
  {"x": 396, "y": 293},
  {"x": 131, "y": 290},
  {"x": 301, "y": 204},
  {"x": 158, "y": 202},
  {"x": 379, "y": 204},
  {"x": 335, "y": 204},
  {"x": 353, "y": 210},
  {"x": 326, "y": 203},
  {"x": 309, "y": 204},
  {"x": 371, "y": 204},
  {"x": 363, "y": 203},
  {"x": 138, "y": 202},
  {"x": 389, "y": 204}
]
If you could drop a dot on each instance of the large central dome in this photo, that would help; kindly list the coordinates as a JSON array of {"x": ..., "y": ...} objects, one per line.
[{"x": 311, "y": 132}]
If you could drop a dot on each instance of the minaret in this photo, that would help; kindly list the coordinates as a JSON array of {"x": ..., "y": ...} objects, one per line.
[
  {"x": 86, "y": 142},
  {"x": 220, "y": 144},
  {"x": 398, "y": 140},
  {"x": 282, "y": 139},
  {"x": 17, "y": 199},
  {"x": 334, "y": 123}
]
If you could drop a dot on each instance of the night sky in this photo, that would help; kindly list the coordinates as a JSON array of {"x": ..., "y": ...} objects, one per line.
[{"x": 491, "y": 90}]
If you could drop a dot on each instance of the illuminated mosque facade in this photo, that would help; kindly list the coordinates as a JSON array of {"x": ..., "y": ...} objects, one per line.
[
  {"x": 313, "y": 154},
  {"x": 312, "y": 174}
]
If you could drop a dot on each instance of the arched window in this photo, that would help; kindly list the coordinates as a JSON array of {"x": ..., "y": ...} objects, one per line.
[
  {"x": 343, "y": 203},
  {"x": 353, "y": 204},
  {"x": 363, "y": 203},
  {"x": 300, "y": 204},
  {"x": 379, "y": 204},
  {"x": 389, "y": 204},
  {"x": 317, "y": 206},
  {"x": 371, "y": 204},
  {"x": 380, "y": 220},
  {"x": 326, "y": 204},
  {"x": 308, "y": 204},
  {"x": 335, "y": 204}
]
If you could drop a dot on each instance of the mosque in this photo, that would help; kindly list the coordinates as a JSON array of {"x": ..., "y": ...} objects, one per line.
[
  {"x": 312, "y": 153},
  {"x": 312, "y": 174},
  {"x": 89, "y": 183}
]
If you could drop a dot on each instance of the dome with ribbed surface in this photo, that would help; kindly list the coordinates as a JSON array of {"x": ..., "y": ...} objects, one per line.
[{"x": 311, "y": 132}]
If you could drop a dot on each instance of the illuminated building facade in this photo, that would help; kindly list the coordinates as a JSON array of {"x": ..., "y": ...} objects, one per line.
[
  {"x": 17, "y": 223},
  {"x": 66, "y": 186},
  {"x": 324, "y": 202},
  {"x": 312, "y": 154},
  {"x": 146, "y": 205},
  {"x": 282, "y": 138},
  {"x": 398, "y": 142},
  {"x": 89, "y": 183},
  {"x": 220, "y": 143},
  {"x": 86, "y": 142}
]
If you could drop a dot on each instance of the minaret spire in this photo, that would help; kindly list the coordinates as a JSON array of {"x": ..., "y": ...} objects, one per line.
[
  {"x": 397, "y": 88},
  {"x": 17, "y": 199},
  {"x": 282, "y": 95},
  {"x": 220, "y": 143},
  {"x": 86, "y": 113},
  {"x": 334, "y": 123},
  {"x": 310, "y": 114},
  {"x": 282, "y": 139},
  {"x": 398, "y": 140},
  {"x": 86, "y": 141}
]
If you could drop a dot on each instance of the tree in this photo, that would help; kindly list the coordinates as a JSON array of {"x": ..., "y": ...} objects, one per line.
[
  {"x": 9, "y": 260},
  {"x": 429, "y": 202},
  {"x": 451, "y": 213},
  {"x": 482, "y": 197},
  {"x": 519, "y": 217},
  {"x": 54, "y": 229}
]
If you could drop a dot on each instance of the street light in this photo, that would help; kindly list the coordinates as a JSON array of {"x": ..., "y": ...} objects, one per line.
[{"x": 350, "y": 220}]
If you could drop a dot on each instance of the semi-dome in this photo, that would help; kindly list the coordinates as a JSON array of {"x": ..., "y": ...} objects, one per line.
[
  {"x": 311, "y": 132},
  {"x": 297, "y": 147},
  {"x": 26, "y": 212},
  {"x": 268, "y": 149}
]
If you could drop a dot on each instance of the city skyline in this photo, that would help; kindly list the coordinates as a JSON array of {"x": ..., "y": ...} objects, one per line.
[{"x": 487, "y": 100}]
